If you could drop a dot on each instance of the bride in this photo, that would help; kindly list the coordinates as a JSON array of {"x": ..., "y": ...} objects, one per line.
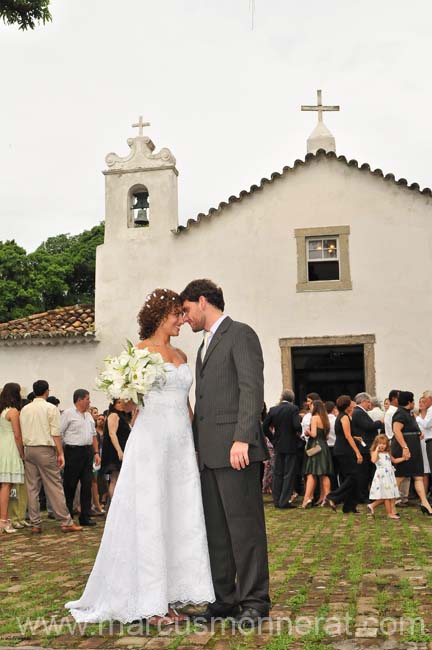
[{"x": 153, "y": 554}]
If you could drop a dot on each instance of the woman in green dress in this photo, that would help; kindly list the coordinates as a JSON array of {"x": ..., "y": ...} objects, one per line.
[
  {"x": 319, "y": 464},
  {"x": 11, "y": 450}
]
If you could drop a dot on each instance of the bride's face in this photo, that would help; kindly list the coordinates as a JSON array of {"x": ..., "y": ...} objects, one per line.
[{"x": 171, "y": 325}]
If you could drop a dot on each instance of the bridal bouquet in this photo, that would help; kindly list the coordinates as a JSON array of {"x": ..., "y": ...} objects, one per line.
[{"x": 132, "y": 374}]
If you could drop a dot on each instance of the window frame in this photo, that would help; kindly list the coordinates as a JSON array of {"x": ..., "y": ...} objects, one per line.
[
  {"x": 322, "y": 259},
  {"x": 303, "y": 236}
]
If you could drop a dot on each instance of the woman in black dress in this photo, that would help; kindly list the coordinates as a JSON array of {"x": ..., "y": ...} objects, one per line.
[
  {"x": 406, "y": 444},
  {"x": 116, "y": 433},
  {"x": 348, "y": 459},
  {"x": 319, "y": 465}
]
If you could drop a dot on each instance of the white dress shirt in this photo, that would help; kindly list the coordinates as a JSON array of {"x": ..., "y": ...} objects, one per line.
[
  {"x": 306, "y": 422},
  {"x": 425, "y": 424},
  {"x": 331, "y": 439},
  {"x": 77, "y": 429},
  {"x": 376, "y": 414},
  {"x": 388, "y": 417}
]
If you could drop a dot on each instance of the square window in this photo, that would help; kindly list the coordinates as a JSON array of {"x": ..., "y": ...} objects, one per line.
[
  {"x": 323, "y": 263},
  {"x": 323, "y": 258}
]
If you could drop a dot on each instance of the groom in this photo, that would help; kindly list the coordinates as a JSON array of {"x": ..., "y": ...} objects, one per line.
[{"x": 230, "y": 444}]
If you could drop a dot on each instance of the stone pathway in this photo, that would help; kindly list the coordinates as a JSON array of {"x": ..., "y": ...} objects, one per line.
[{"x": 337, "y": 581}]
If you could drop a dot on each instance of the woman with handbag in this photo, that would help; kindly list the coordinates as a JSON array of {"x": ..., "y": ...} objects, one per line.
[
  {"x": 348, "y": 458},
  {"x": 318, "y": 460}
]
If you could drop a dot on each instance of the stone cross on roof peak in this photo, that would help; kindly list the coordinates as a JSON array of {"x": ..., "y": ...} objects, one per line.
[
  {"x": 140, "y": 125},
  {"x": 320, "y": 108},
  {"x": 320, "y": 138}
]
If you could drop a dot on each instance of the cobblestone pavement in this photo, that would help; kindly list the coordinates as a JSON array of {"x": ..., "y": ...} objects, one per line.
[{"x": 337, "y": 581}]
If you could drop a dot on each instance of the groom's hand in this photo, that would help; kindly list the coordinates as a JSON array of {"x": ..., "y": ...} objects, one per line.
[{"x": 239, "y": 456}]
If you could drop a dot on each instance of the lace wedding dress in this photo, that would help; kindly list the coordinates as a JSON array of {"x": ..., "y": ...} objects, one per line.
[{"x": 154, "y": 548}]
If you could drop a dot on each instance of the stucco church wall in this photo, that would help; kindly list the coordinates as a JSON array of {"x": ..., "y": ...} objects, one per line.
[
  {"x": 249, "y": 248},
  {"x": 65, "y": 367}
]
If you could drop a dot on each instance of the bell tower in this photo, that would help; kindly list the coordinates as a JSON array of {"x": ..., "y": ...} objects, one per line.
[{"x": 141, "y": 197}]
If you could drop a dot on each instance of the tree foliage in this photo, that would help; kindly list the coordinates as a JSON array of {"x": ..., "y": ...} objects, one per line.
[
  {"x": 60, "y": 272},
  {"x": 25, "y": 13}
]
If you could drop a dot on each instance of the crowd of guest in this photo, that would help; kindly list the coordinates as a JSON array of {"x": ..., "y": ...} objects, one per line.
[
  {"x": 68, "y": 460},
  {"x": 341, "y": 453},
  {"x": 349, "y": 452}
]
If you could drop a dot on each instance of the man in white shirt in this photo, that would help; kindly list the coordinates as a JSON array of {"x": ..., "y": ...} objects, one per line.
[
  {"x": 80, "y": 448},
  {"x": 425, "y": 422},
  {"x": 40, "y": 427},
  {"x": 306, "y": 421},
  {"x": 376, "y": 413},
  {"x": 388, "y": 416}
]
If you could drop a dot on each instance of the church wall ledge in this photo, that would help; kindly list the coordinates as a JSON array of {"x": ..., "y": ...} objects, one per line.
[
  {"x": 135, "y": 170},
  {"x": 46, "y": 341}
]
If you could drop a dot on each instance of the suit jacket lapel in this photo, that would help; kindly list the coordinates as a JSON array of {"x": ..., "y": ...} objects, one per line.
[
  {"x": 198, "y": 358},
  {"x": 223, "y": 327}
]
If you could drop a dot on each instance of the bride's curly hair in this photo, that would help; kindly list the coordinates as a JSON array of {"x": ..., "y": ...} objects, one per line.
[{"x": 158, "y": 305}]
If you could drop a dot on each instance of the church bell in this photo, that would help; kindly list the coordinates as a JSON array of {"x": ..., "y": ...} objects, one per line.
[{"x": 140, "y": 209}]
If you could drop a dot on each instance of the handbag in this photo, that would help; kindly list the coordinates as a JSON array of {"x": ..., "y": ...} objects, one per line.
[{"x": 313, "y": 451}]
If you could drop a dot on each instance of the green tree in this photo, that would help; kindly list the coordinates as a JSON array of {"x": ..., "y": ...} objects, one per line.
[
  {"x": 60, "y": 272},
  {"x": 75, "y": 257},
  {"x": 25, "y": 13},
  {"x": 49, "y": 277},
  {"x": 18, "y": 297}
]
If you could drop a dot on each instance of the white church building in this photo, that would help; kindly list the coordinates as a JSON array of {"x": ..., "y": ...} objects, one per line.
[{"x": 328, "y": 260}]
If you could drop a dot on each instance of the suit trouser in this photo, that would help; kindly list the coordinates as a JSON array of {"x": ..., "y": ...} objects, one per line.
[
  {"x": 41, "y": 469},
  {"x": 78, "y": 467},
  {"x": 236, "y": 535},
  {"x": 366, "y": 474},
  {"x": 284, "y": 475}
]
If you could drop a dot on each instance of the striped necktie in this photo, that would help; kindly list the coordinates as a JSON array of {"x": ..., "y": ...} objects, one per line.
[{"x": 206, "y": 341}]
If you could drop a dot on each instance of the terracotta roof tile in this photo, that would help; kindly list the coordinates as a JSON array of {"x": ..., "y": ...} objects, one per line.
[
  {"x": 299, "y": 163},
  {"x": 76, "y": 320}
]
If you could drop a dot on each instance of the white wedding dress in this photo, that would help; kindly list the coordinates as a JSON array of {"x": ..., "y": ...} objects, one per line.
[{"x": 154, "y": 548}]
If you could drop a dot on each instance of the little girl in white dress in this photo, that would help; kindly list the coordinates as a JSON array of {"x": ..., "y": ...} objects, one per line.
[{"x": 384, "y": 488}]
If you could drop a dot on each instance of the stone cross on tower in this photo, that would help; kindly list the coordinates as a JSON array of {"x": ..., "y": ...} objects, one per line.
[
  {"x": 140, "y": 124},
  {"x": 320, "y": 138}
]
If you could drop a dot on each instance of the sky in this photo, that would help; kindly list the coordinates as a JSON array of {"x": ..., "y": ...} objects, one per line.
[{"x": 224, "y": 95}]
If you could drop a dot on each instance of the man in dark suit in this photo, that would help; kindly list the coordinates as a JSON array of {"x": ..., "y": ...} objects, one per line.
[
  {"x": 230, "y": 445},
  {"x": 365, "y": 428},
  {"x": 282, "y": 426}
]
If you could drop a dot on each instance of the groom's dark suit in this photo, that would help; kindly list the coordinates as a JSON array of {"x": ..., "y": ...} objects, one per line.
[{"x": 229, "y": 400}]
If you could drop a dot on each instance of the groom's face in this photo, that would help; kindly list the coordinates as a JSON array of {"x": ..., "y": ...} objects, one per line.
[{"x": 194, "y": 315}]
